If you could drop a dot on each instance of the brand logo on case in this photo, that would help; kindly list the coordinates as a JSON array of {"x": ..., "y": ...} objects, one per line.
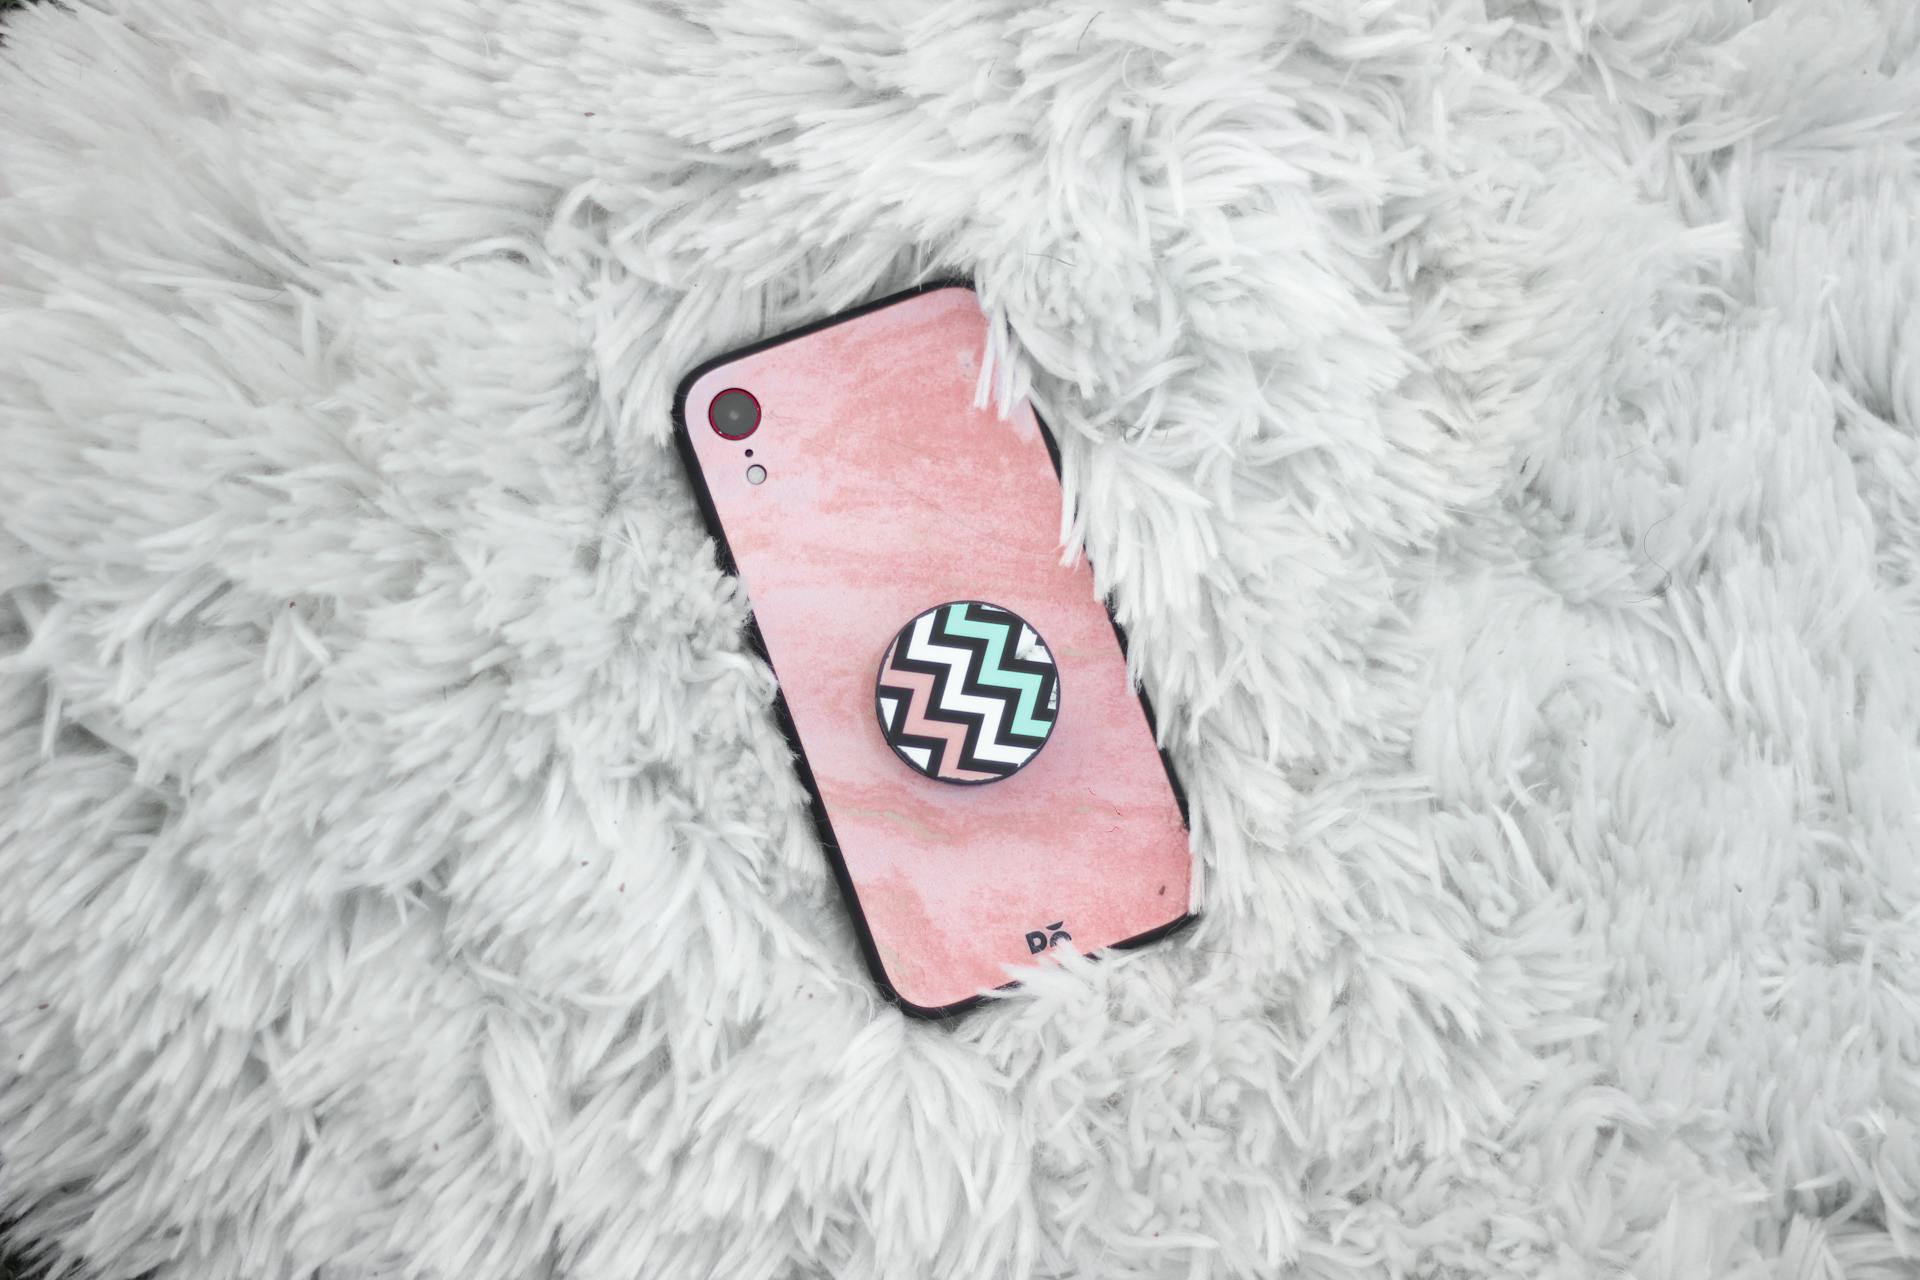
[{"x": 1051, "y": 936}]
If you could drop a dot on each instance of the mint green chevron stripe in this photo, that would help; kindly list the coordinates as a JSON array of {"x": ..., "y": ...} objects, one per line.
[{"x": 1024, "y": 683}]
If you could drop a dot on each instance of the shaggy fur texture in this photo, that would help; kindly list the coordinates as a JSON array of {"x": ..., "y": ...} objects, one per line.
[{"x": 1497, "y": 427}]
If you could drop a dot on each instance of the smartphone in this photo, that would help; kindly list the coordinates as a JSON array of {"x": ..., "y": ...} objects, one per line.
[{"x": 984, "y": 777}]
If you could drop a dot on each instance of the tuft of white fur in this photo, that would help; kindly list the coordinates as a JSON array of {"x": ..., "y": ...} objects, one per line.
[{"x": 1497, "y": 426}]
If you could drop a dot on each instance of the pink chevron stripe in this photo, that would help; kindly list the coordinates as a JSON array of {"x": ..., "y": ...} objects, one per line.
[{"x": 915, "y": 721}]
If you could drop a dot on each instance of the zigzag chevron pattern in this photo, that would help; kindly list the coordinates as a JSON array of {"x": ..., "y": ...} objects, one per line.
[{"x": 967, "y": 692}]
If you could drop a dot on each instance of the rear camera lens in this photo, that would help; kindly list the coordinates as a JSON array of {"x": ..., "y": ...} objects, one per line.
[{"x": 734, "y": 413}]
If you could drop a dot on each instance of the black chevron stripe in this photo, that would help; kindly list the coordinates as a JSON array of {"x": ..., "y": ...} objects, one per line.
[
  {"x": 891, "y": 727},
  {"x": 975, "y": 722},
  {"x": 972, "y": 722},
  {"x": 1012, "y": 625},
  {"x": 937, "y": 747},
  {"x": 976, "y": 665},
  {"x": 942, "y": 680}
]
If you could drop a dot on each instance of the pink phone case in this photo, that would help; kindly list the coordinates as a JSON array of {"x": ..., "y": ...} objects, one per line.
[{"x": 885, "y": 493}]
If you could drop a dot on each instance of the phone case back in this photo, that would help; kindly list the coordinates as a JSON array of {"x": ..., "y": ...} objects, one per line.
[{"x": 887, "y": 492}]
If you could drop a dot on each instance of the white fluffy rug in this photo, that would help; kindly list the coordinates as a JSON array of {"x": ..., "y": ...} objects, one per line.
[{"x": 1498, "y": 429}]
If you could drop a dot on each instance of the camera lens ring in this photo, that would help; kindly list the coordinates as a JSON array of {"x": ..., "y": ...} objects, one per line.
[{"x": 734, "y": 414}]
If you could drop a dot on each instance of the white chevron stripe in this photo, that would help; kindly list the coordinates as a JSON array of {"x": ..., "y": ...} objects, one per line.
[
  {"x": 921, "y": 647},
  {"x": 1028, "y": 647}
]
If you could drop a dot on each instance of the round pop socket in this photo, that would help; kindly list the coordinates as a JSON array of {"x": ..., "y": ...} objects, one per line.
[{"x": 967, "y": 693}]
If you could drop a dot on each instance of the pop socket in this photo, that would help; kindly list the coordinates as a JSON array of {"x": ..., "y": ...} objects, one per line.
[{"x": 967, "y": 693}]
